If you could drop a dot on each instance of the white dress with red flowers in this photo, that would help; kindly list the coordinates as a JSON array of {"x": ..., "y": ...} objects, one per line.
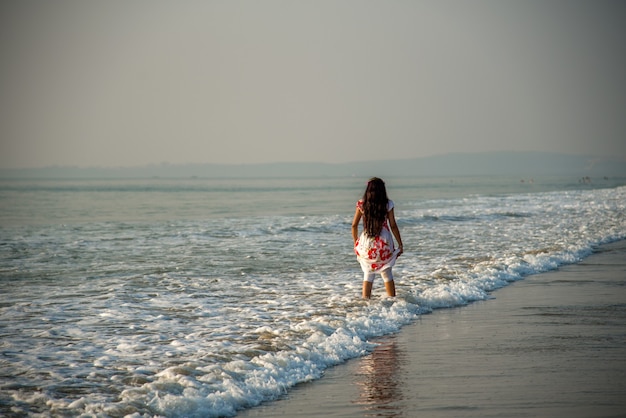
[{"x": 376, "y": 254}]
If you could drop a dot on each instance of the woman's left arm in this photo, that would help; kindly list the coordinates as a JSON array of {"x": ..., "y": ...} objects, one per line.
[
  {"x": 355, "y": 225},
  {"x": 394, "y": 228}
]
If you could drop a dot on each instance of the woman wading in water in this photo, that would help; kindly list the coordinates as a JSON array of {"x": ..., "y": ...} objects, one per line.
[{"x": 374, "y": 248}]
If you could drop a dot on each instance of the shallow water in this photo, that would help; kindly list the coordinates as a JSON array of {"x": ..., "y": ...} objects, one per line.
[{"x": 202, "y": 297}]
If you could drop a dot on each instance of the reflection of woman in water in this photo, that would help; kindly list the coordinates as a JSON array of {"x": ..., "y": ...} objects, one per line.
[
  {"x": 378, "y": 379},
  {"x": 375, "y": 248}
]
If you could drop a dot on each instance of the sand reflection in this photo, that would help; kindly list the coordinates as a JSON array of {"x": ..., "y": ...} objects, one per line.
[{"x": 378, "y": 380}]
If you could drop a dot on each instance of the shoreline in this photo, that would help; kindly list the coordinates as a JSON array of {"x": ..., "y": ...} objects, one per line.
[{"x": 552, "y": 344}]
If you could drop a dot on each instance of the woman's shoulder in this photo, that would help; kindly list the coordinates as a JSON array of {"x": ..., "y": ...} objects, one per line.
[{"x": 390, "y": 204}]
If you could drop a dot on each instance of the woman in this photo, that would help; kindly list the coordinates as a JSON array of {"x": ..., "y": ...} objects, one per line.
[{"x": 374, "y": 248}]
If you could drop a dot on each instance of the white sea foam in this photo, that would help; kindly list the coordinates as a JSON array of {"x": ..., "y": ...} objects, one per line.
[{"x": 203, "y": 316}]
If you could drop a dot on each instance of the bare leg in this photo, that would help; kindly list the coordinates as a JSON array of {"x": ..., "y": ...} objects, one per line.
[
  {"x": 367, "y": 289},
  {"x": 391, "y": 288}
]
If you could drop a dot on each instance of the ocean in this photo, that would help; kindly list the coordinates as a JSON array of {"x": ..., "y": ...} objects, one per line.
[{"x": 202, "y": 297}]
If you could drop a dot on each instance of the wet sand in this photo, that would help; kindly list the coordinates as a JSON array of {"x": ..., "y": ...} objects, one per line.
[{"x": 551, "y": 345}]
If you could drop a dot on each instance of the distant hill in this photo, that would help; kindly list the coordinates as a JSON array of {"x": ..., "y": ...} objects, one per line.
[{"x": 524, "y": 164}]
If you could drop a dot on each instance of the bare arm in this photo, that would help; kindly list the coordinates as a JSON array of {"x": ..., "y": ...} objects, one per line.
[
  {"x": 394, "y": 229},
  {"x": 355, "y": 225}
]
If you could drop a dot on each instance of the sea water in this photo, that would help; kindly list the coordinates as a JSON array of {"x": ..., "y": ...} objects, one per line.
[{"x": 202, "y": 297}]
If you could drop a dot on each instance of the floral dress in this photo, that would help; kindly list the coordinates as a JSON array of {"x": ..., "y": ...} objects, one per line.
[{"x": 376, "y": 254}]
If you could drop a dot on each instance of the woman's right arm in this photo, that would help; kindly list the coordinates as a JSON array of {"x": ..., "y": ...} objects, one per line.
[{"x": 395, "y": 230}]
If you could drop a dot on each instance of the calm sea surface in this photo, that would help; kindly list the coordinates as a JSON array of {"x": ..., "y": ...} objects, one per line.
[{"x": 202, "y": 297}]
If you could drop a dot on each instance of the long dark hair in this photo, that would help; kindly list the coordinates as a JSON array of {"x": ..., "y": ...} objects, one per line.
[{"x": 374, "y": 206}]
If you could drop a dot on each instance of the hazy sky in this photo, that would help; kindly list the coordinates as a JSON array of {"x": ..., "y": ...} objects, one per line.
[{"x": 134, "y": 82}]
